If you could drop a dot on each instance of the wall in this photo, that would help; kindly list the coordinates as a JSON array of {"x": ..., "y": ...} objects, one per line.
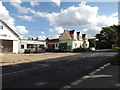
[
  {"x": 6, "y": 34},
  {"x": 65, "y": 37},
  {"x": 25, "y": 42},
  {"x": 78, "y": 44},
  {"x": 15, "y": 46}
]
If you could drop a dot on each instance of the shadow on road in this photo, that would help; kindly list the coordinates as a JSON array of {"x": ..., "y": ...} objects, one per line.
[{"x": 53, "y": 73}]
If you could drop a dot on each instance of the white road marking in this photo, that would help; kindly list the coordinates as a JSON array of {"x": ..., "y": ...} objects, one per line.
[
  {"x": 94, "y": 54},
  {"x": 84, "y": 77},
  {"x": 21, "y": 71}
]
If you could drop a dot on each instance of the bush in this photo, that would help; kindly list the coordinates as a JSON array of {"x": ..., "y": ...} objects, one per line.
[
  {"x": 115, "y": 60},
  {"x": 78, "y": 50}
]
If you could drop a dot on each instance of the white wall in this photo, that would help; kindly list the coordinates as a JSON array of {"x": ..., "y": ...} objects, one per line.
[
  {"x": 6, "y": 34},
  {"x": 15, "y": 46},
  {"x": 75, "y": 35},
  {"x": 78, "y": 44},
  {"x": 65, "y": 36},
  {"x": 25, "y": 42}
]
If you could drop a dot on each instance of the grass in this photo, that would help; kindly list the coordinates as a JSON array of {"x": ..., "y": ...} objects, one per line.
[
  {"x": 115, "y": 47},
  {"x": 115, "y": 60}
]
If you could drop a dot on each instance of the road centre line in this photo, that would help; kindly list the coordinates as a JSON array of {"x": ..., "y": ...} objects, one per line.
[{"x": 22, "y": 71}]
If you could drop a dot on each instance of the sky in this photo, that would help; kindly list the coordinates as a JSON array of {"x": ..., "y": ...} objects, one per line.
[{"x": 50, "y": 19}]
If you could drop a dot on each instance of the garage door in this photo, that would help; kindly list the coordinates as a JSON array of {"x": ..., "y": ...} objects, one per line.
[{"x": 7, "y": 46}]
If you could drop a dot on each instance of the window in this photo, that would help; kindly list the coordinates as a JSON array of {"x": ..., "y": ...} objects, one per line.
[
  {"x": 22, "y": 46},
  {"x": 30, "y": 46},
  {"x": 1, "y": 27},
  {"x": 41, "y": 46},
  {"x": 75, "y": 45}
]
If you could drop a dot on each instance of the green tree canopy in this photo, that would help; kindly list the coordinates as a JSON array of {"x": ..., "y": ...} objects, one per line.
[{"x": 109, "y": 36}]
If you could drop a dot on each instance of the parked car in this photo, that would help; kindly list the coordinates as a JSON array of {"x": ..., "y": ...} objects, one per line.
[{"x": 35, "y": 50}]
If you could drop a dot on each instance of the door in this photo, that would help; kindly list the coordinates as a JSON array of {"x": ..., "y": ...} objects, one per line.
[{"x": 7, "y": 46}]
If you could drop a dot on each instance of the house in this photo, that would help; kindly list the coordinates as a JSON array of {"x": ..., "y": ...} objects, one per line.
[
  {"x": 70, "y": 40},
  {"x": 31, "y": 43},
  {"x": 9, "y": 39},
  {"x": 52, "y": 44}
]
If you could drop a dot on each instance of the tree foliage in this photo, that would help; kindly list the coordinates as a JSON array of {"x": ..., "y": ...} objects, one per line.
[
  {"x": 108, "y": 37},
  {"x": 92, "y": 42}
]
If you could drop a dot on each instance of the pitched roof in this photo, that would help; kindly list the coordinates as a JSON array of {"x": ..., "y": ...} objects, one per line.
[
  {"x": 78, "y": 33},
  {"x": 9, "y": 28},
  {"x": 83, "y": 36},
  {"x": 52, "y": 41},
  {"x": 70, "y": 33}
]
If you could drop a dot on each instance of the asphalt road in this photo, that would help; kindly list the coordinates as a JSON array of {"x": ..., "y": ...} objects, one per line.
[{"x": 53, "y": 73}]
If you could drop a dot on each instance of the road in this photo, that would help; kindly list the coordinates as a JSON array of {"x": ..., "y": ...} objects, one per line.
[{"x": 54, "y": 73}]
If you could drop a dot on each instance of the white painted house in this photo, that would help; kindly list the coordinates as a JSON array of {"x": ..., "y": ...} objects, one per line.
[
  {"x": 70, "y": 40},
  {"x": 9, "y": 40}
]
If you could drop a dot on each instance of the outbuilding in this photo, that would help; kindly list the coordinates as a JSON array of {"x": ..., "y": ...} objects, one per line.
[{"x": 31, "y": 44}]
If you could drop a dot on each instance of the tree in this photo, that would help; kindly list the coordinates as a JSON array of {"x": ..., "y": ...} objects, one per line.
[
  {"x": 92, "y": 42},
  {"x": 108, "y": 37}
]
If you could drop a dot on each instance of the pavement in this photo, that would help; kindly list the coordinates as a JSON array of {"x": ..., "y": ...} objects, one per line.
[{"x": 105, "y": 78}]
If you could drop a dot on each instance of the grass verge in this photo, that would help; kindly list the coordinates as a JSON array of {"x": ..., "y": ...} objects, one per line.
[
  {"x": 115, "y": 47},
  {"x": 115, "y": 60}
]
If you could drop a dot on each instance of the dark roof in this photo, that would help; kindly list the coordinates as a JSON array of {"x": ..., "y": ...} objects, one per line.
[
  {"x": 70, "y": 32},
  {"x": 9, "y": 28},
  {"x": 78, "y": 33},
  {"x": 52, "y": 41},
  {"x": 83, "y": 35}
]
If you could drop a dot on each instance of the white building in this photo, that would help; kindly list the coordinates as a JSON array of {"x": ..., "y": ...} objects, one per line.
[
  {"x": 11, "y": 43},
  {"x": 9, "y": 40},
  {"x": 70, "y": 40},
  {"x": 31, "y": 44}
]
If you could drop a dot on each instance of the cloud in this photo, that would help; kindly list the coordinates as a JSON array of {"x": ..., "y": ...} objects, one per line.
[
  {"x": 101, "y": 21},
  {"x": 25, "y": 17},
  {"x": 82, "y": 15},
  {"x": 55, "y": 33},
  {"x": 17, "y": 4},
  {"x": 72, "y": 16},
  {"x": 57, "y": 2},
  {"x": 104, "y": 21},
  {"x": 33, "y": 4},
  {"x": 42, "y": 37},
  {"x": 5, "y": 16},
  {"x": 42, "y": 32},
  {"x": 21, "y": 30},
  {"x": 91, "y": 32}
]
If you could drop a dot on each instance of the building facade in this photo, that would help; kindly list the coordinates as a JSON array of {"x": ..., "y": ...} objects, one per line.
[
  {"x": 52, "y": 45},
  {"x": 31, "y": 44},
  {"x": 68, "y": 41},
  {"x": 11, "y": 43},
  {"x": 9, "y": 40}
]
